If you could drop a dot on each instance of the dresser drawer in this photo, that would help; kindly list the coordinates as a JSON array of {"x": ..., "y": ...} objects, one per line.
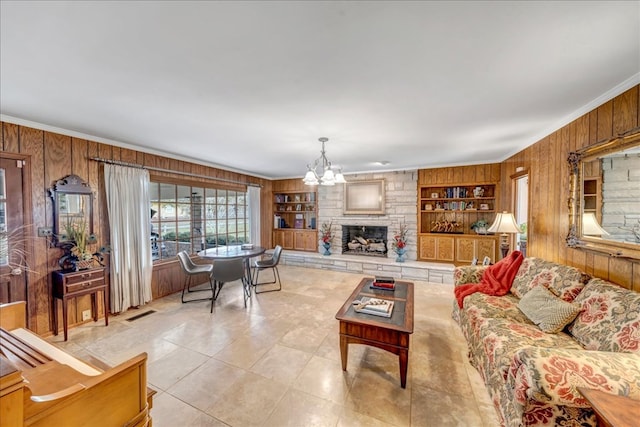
[
  {"x": 75, "y": 287},
  {"x": 68, "y": 283}
]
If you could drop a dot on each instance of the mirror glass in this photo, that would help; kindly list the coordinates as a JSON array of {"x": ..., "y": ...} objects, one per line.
[
  {"x": 605, "y": 197},
  {"x": 73, "y": 208}
]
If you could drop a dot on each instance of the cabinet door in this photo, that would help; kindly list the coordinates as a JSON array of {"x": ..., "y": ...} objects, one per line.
[
  {"x": 486, "y": 247},
  {"x": 299, "y": 240},
  {"x": 466, "y": 249},
  {"x": 311, "y": 241},
  {"x": 445, "y": 248},
  {"x": 283, "y": 238},
  {"x": 278, "y": 238},
  {"x": 428, "y": 247},
  {"x": 288, "y": 239}
]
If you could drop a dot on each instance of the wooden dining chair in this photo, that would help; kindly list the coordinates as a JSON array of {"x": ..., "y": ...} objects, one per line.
[
  {"x": 191, "y": 269},
  {"x": 230, "y": 270}
]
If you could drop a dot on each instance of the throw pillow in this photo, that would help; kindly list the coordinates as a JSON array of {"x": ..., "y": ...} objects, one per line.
[{"x": 547, "y": 311}]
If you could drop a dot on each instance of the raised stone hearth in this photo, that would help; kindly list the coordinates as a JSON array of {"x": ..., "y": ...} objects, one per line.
[
  {"x": 371, "y": 266},
  {"x": 364, "y": 240}
]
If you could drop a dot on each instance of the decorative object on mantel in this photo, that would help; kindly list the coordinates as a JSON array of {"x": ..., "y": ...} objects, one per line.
[
  {"x": 312, "y": 177},
  {"x": 399, "y": 243},
  {"x": 326, "y": 235},
  {"x": 480, "y": 226},
  {"x": 504, "y": 223},
  {"x": 77, "y": 244}
]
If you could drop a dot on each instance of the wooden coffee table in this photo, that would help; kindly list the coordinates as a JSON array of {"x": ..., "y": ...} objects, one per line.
[{"x": 390, "y": 334}]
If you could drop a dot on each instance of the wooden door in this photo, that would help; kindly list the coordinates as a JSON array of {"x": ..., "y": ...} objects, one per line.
[{"x": 15, "y": 231}]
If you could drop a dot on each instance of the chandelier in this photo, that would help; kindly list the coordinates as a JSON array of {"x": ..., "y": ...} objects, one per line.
[{"x": 326, "y": 176}]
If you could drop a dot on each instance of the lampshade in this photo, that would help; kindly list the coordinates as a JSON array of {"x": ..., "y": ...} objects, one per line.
[
  {"x": 590, "y": 226},
  {"x": 310, "y": 178},
  {"x": 340, "y": 178},
  {"x": 504, "y": 223}
]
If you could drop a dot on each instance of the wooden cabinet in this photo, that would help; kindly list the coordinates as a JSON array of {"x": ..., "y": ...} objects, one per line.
[
  {"x": 305, "y": 240},
  {"x": 294, "y": 220},
  {"x": 299, "y": 240},
  {"x": 437, "y": 248},
  {"x": 447, "y": 208},
  {"x": 475, "y": 247},
  {"x": 72, "y": 284}
]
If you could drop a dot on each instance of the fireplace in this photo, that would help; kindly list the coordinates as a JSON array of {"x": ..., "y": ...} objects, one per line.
[{"x": 368, "y": 240}]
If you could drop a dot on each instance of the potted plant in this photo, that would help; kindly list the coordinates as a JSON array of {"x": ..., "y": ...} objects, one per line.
[
  {"x": 480, "y": 226},
  {"x": 78, "y": 243}
]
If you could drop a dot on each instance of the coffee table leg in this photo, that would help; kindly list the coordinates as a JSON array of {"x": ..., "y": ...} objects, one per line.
[
  {"x": 344, "y": 351},
  {"x": 404, "y": 361}
]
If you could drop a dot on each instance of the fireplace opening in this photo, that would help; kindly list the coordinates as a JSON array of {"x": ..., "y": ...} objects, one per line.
[{"x": 367, "y": 240}]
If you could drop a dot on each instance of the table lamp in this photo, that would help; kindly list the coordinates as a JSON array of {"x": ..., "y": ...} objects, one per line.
[{"x": 504, "y": 223}]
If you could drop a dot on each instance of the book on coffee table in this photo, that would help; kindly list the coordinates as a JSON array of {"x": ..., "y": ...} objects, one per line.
[
  {"x": 374, "y": 306},
  {"x": 382, "y": 285}
]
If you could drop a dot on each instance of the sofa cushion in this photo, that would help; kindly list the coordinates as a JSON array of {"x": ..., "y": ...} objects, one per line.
[
  {"x": 546, "y": 310},
  {"x": 499, "y": 339},
  {"x": 564, "y": 281},
  {"x": 610, "y": 318}
]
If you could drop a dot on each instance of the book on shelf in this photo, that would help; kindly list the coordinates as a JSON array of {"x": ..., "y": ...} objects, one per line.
[{"x": 374, "y": 306}]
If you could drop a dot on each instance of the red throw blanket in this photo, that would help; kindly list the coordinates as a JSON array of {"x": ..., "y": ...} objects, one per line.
[{"x": 496, "y": 280}]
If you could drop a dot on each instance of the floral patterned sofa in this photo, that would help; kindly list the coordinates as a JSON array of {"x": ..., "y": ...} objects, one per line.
[{"x": 533, "y": 375}]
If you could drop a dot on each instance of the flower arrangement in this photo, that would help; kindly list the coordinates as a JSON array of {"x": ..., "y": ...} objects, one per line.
[
  {"x": 400, "y": 239},
  {"x": 77, "y": 242},
  {"x": 326, "y": 232}
]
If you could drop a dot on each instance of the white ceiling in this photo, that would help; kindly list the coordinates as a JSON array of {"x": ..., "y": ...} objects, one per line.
[{"x": 251, "y": 86}]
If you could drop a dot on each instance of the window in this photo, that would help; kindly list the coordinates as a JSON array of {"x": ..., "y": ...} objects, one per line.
[{"x": 194, "y": 218}]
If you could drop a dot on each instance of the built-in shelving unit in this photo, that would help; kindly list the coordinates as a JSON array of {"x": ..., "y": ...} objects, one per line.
[
  {"x": 447, "y": 209},
  {"x": 294, "y": 219}
]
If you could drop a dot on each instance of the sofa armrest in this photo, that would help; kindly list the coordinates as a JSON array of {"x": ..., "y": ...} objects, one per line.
[
  {"x": 553, "y": 375},
  {"x": 468, "y": 274}
]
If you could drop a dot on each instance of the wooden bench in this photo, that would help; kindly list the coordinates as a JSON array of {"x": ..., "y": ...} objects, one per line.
[{"x": 42, "y": 385}]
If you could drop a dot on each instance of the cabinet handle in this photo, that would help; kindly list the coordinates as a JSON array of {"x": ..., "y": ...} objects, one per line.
[{"x": 86, "y": 285}]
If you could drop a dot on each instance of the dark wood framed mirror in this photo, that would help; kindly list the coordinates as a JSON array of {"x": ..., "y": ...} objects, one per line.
[
  {"x": 72, "y": 208},
  {"x": 604, "y": 201}
]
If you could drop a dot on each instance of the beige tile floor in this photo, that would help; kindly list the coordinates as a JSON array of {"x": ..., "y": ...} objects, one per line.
[{"x": 277, "y": 362}]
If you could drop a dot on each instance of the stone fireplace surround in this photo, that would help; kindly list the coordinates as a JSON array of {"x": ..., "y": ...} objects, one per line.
[
  {"x": 400, "y": 207},
  {"x": 366, "y": 240}
]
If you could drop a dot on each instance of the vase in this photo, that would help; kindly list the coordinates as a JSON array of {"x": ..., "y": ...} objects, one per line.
[
  {"x": 326, "y": 246},
  {"x": 400, "y": 253}
]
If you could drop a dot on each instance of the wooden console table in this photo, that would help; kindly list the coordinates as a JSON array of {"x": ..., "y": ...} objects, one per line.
[
  {"x": 612, "y": 410},
  {"x": 72, "y": 284}
]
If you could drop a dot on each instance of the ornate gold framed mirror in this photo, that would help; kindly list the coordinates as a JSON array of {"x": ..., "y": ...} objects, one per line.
[{"x": 604, "y": 201}]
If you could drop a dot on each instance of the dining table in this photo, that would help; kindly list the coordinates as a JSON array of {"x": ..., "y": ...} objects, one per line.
[{"x": 246, "y": 252}]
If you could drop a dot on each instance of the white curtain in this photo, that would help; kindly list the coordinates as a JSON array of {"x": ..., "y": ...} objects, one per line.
[
  {"x": 128, "y": 205},
  {"x": 254, "y": 212}
]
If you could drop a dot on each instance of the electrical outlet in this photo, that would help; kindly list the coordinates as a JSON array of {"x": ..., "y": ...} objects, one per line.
[
  {"x": 45, "y": 231},
  {"x": 86, "y": 315}
]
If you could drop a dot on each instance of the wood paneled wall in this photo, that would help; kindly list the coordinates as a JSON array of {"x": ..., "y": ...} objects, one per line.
[
  {"x": 53, "y": 156},
  {"x": 546, "y": 163}
]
